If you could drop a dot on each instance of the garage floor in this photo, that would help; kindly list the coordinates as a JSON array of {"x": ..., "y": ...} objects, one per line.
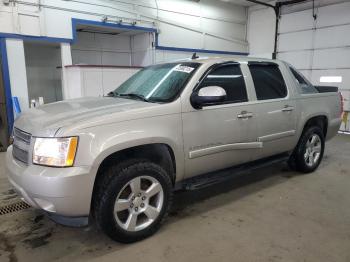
[{"x": 270, "y": 215}]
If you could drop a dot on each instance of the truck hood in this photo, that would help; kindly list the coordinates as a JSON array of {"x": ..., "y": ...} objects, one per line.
[{"x": 47, "y": 119}]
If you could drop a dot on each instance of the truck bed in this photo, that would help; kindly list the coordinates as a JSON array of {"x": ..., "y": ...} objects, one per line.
[{"x": 326, "y": 89}]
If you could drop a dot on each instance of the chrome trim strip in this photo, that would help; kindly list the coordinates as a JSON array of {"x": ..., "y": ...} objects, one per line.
[
  {"x": 223, "y": 148},
  {"x": 276, "y": 136}
]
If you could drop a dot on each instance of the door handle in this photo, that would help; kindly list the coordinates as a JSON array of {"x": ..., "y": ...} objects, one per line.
[
  {"x": 245, "y": 114},
  {"x": 287, "y": 108}
]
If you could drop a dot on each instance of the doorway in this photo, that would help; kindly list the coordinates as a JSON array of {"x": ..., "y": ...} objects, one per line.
[{"x": 43, "y": 67}]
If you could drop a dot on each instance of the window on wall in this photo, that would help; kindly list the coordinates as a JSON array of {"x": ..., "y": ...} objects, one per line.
[
  {"x": 230, "y": 78},
  {"x": 268, "y": 81},
  {"x": 331, "y": 79},
  {"x": 305, "y": 87}
]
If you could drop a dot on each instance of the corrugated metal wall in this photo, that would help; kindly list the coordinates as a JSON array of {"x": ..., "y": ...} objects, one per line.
[{"x": 318, "y": 47}]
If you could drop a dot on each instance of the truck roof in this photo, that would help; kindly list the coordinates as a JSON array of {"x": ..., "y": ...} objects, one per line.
[{"x": 220, "y": 59}]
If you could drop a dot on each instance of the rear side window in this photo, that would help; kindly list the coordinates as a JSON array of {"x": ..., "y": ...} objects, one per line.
[
  {"x": 268, "y": 81},
  {"x": 305, "y": 87},
  {"x": 230, "y": 78}
]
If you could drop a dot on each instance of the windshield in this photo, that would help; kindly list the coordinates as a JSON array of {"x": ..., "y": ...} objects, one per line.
[{"x": 158, "y": 83}]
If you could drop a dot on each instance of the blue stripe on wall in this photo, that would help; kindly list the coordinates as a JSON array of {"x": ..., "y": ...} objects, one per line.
[
  {"x": 36, "y": 38},
  {"x": 7, "y": 84}
]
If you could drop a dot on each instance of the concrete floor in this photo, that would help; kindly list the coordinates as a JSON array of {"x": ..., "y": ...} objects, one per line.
[{"x": 270, "y": 215}]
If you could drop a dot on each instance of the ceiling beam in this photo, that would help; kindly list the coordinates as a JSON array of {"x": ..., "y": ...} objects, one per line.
[
  {"x": 291, "y": 2},
  {"x": 260, "y": 3},
  {"x": 278, "y": 3}
]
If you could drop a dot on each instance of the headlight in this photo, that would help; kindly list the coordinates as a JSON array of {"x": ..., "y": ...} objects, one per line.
[{"x": 58, "y": 152}]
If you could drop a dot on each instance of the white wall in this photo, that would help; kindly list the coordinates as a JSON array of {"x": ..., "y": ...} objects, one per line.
[
  {"x": 213, "y": 25},
  {"x": 167, "y": 56},
  {"x": 101, "y": 49},
  {"x": 116, "y": 50},
  {"x": 17, "y": 70},
  {"x": 204, "y": 25},
  {"x": 261, "y": 23},
  {"x": 66, "y": 59},
  {"x": 95, "y": 81},
  {"x": 142, "y": 52},
  {"x": 261, "y": 30}
]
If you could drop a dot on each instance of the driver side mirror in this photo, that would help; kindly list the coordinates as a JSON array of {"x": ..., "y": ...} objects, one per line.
[{"x": 208, "y": 95}]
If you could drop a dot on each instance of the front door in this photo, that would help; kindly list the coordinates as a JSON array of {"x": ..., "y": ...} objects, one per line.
[{"x": 224, "y": 134}]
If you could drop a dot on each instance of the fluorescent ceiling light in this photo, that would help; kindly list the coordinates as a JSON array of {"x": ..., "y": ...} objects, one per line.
[{"x": 331, "y": 79}]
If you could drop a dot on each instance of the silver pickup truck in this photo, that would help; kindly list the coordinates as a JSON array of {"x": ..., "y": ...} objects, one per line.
[{"x": 186, "y": 124}]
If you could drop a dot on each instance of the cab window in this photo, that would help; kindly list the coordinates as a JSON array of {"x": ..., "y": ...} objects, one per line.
[
  {"x": 305, "y": 87},
  {"x": 268, "y": 81},
  {"x": 230, "y": 78}
]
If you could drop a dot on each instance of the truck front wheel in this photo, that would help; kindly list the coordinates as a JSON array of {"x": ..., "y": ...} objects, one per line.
[
  {"x": 132, "y": 200},
  {"x": 308, "y": 153}
]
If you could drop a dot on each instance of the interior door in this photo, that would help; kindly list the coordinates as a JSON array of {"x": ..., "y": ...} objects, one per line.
[
  {"x": 274, "y": 109},
  {"x": 223, "y": 134}
]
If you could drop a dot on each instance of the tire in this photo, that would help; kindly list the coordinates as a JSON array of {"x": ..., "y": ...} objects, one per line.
[
  {"x": 308, "y": 154},
  {"x": 132, "y": 200},
  {"x": 292, "y": 162}
]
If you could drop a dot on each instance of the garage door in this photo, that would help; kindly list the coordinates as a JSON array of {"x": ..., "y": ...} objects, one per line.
[{"x": 320, "y": 47}]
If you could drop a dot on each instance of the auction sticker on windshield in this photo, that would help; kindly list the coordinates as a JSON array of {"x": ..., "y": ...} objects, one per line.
[{"x": 185, "y": 69}]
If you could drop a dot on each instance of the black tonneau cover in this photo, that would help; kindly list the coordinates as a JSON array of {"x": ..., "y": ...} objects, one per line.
[{"x": 326, "y": 89}]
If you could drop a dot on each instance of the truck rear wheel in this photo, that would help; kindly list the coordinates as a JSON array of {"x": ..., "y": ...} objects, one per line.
[
  {"x": 133, "y": 199},
  {"x": 308, "y": 154}
]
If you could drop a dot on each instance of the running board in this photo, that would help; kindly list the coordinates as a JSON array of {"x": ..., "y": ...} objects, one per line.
[{"x": 212, "y": 178}]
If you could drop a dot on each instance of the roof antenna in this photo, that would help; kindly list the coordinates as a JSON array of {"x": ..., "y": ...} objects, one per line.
[{"x": 194, "y": 56}]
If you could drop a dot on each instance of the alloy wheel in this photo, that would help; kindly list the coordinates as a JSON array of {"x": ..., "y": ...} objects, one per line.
[
  {"x": 139, "y": 203},
  {"x": 313, "y": 150}
]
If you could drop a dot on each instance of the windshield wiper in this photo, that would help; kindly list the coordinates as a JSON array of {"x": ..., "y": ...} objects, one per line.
[
  {"x": 140, "y": 97},
  {"x": 113, "y": 94},
  {"x": 116, "y": 94}
]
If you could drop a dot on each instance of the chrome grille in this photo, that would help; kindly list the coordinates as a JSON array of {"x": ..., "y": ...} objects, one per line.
[{"x": 21, "y": 143}]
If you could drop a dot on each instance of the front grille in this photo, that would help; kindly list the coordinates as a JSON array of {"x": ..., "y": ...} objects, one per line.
[
  {"x": 21, "y": 135},
  {"x": 21, "y": 144}
]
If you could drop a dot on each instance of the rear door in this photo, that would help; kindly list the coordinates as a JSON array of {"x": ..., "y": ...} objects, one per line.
[{"x": 274, "y": 108}]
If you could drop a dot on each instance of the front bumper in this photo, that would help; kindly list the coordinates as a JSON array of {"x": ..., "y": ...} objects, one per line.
[{"x": 64, "y": 191}]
